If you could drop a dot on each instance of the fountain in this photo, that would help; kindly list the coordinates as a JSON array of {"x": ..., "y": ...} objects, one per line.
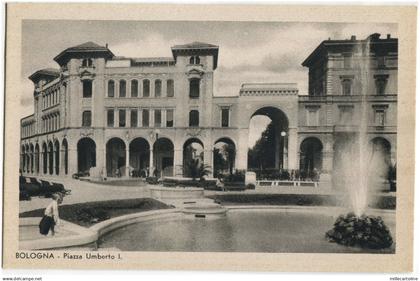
[{"x": 356, "y": 228}]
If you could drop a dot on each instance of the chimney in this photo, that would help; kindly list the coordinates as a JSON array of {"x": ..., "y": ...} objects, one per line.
[
  {"x": 388, "y": 36},
  {"x": 353, "y": 38},
  {"x": 106, "y": 45}
]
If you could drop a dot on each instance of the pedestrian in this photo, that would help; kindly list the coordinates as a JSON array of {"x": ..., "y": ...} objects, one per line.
[
  {"x": 219, "y": 183},
  {"x": 51, "y": 217}
]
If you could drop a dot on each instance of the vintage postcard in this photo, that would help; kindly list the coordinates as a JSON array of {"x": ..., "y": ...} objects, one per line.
[{"x": 262, "y": 138}]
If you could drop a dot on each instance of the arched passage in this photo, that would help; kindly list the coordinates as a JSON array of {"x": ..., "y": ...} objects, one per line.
[
  {"x": 193, "y": 150},
  {"x": 86, "y": 155},
  {"x": 224, "y": 153},
  {"x": 44, "y": 158},
  {"x": 163, "y": 154},
  {"x": 23, "y": 159},
  {"x": 139, "y": 157},
  {"x": 50, "y": 158},
  {"x": 65, "y": 155},
  {"x": 31, "y": 156},
  {"x": 310, "y": 156},
  {"x": 115, "y": 157},
  {"x": 380, "y": 158},
  {"x": 57, "y": 157},
  {"x": 37, "y": 158},
  {"x": 268, "y": 140}
]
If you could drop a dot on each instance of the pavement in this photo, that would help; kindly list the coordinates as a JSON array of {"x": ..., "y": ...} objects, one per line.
[{"x": 85, "y": 191}]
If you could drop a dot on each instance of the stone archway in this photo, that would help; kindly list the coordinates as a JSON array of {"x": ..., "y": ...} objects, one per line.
[
  {"x": 268, "y": 140},
  {"x": 139, "y": 157},
  {"x": 193, "y": 149},
  {"x": 50, "y": 158},
  {"x": 57, "y": 157},
  {"x": 163, "y": 154},
  {"x": 86, "y": 155},
  {"x": 380, "y": 159},
  {"x": 65, "y": 155},
  {"x": 310, "y": 155},
  {"x": 115, "y": 158},
  {"x": 224, "y": 153}
]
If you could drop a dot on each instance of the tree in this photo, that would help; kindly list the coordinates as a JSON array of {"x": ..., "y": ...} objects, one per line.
[
  {"x": 196, "y": 169},
  {"x": 262, "y": 154}
]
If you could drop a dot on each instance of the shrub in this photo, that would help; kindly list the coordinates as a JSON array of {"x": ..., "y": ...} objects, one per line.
[
  {"x": 152, "y": 180},
  {"x": 250, "y": 186}
]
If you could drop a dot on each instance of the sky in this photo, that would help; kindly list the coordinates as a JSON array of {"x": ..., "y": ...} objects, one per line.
[{"x": 249, "y": 52}]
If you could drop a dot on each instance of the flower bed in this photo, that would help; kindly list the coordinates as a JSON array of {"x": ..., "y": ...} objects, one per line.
[{"x": 90, "y": 213}]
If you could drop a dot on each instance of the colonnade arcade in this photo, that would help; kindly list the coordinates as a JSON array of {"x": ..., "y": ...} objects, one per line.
[{"x": 48, "y": 158}]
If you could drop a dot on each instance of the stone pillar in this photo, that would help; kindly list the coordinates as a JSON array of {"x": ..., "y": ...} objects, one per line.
[
  {"x": 285, "y": 152},
  {"x": 127, "y": 161},
  {"x": 242, "y": 150},
  {"x": 178, "y": 162},
  {"x": 151, "y": 168},
  {"x": 277, "y": 141},
  {"x": 208, "y": 159},
  {"x": 292, "y": 149},
  {"x": 72, "y": 157}
]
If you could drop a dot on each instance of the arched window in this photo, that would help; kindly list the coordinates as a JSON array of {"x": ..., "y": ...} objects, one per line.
[
  {"x": 170, "y": 88},
  {"x": 195, "y": 88},
  {"x": 111, "y": 88},
  {"x": 158, "y": 88},
  {"x": 194, "y": 118},
  {"x": 134, "y": 88},
  {"x": 87, "y": 118},
  {"x": 123, "y": 87},
  {"x": 146, "y": 88}
]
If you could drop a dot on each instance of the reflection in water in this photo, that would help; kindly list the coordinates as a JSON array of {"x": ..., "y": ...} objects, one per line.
[{"x": 238, "y": 231}]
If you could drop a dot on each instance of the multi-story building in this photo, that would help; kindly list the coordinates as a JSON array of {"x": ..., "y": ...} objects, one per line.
[{"x": 114, "y": 116}]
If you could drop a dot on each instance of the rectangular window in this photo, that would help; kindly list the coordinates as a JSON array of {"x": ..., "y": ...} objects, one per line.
[
  {"x": 121, "y": 117},
  {"x": 346, "y": 85},
  {"x": 87, "y": 118},
  {"x": 195, "y": 88},
  {"x": 312, "y": 117},
  {"x": 169, "y": 118},
  {"x": 133, "y": 118},
  {"x": 347, "y": 61},
  {"x": 158, "y": 118},
  {"x": 87, "y": 88},
  {"x": 346, "y": 115},
  {"x": 110, "y": 118},
  {"x": 380, "y": 117},
  {"x": 145, "y": 118},
  {"x": 225, "y": 117}
]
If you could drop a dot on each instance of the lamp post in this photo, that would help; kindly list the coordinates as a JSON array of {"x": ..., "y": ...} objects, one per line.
[{"x": 283, "y": 135}]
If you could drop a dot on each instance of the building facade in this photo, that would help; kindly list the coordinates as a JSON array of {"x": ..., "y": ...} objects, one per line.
[{"x": 116, "y": 116}]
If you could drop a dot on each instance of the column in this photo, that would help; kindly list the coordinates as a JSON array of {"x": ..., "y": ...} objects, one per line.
[
  {"x": 277, "y": 140},
  {"x": 292, "y": 149},
  {"x": 177, "y": 162},
  {"x": 127, "y": 160},
  {"x": 242, "y": 150},
  {"x": 72, "y": 157},
  {"x": 151, "y": 156},
  {"x": 208, "y": 159},
  {"x": 54, "y": 160},
  {"x": 285, "y": 152}
]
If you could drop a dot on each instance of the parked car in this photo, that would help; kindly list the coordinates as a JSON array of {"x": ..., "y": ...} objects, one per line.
[{"x": 30, "y": 186}]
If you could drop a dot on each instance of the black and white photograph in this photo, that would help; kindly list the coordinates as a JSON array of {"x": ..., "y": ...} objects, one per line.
[{"x": 199, "y": 136}]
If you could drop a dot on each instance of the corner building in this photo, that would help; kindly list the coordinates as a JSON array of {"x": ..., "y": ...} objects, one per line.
[{"x": 116, "y": 116}]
